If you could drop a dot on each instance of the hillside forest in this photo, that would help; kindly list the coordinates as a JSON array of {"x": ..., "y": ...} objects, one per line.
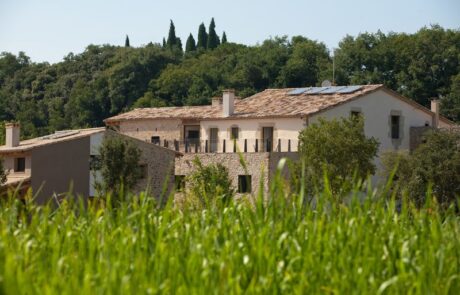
[{"x": 104, "y": 80}]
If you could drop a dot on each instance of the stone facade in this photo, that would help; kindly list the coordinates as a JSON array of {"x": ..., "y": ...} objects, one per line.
[
  {"x": 167, "y": 129},
  {"x": 261, "y": 166}
]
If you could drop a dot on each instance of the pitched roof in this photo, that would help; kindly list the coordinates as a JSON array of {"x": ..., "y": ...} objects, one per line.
[
  {"x": 268, "y": 103},
  {"x": 59, "y": 136}
]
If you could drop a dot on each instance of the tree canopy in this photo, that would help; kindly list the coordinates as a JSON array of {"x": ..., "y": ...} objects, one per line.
[
  {"x": 102, "y": 81},
  {"x": 119, "y": 164},
  {"x": 339, "y": 148}
]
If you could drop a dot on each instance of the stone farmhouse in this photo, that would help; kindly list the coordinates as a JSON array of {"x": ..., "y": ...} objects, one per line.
[
  {"x": 265, "y": 127},
  {"x": 57, "y": 164},
  {"x": 261, "y": 129}
]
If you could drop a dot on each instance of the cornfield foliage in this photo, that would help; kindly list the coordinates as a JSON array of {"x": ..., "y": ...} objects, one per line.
[{"x": 371, "y": 244}]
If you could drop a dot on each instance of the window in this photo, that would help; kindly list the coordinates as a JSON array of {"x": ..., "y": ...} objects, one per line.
[
  {"x": 179, "y": 182},
  {"x": 20, "y": 165},
  {"x": 144, "y": 170},
  {"x": 155, "y": 140},
  {"x": 235, "y": 132},
  {"x": 395, "y": 127},
  {"x": 244, "y": 184}
]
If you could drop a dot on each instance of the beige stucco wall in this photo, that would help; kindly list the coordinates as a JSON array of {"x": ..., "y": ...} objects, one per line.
[
  {"x": 377, "y": 108},
  {"x": 251, "y": 129},
  {"x": 8, "y": 163},
  {"x": 169, "y": 129}
]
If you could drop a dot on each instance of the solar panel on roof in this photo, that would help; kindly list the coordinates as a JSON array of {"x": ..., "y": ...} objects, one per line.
[
  {"x": 314, "y": 90},
  {"x": 332, "y": 89},
  {"x": 349, "y": 89},
  {"x": 297, "y": 91}
]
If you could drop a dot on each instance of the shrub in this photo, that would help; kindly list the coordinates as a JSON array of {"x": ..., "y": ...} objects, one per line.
[
  {"x": 339, "y": 148},
  {"x": 2, "y": 173},
  {"x": 435, "y": 162},
  {"x": 210, "y": 183}
]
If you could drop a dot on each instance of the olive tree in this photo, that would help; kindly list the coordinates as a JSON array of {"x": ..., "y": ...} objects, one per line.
[{"x": 338, "y": 148}]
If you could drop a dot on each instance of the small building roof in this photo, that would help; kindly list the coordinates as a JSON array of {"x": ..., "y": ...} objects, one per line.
[
  {"x": 58, "y": 136},
  {"x": 270, "y": 103}
]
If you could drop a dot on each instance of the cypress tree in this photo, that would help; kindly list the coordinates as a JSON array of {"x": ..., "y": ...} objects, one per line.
[
  {"x": 224, "y": 38},
  {"x": 127, "y": 41},
  {"x": 213, "y": 39},
  {"x": 164, "y": 43},
  {"x": 178, "y": 44},
  {"x": 190, "y": 44},
  {"x": 202, "y": 37},
  {"x": 172, "y": 39}
]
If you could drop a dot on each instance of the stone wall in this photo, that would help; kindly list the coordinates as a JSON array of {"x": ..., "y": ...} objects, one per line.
[
  {"x": 144, "y": 129},
  {"x": 261, "y": 166}
]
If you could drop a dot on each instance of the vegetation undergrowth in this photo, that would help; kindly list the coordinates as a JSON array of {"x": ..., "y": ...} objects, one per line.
[{"x": 373, "y": 244}]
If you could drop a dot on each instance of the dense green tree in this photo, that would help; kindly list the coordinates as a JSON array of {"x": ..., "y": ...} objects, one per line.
[
  {"x": 202, "y": 37},
  {"x": 172, "y": 39},
  {"x": 435, "y": 163},
  {"x": 339, "y": 148},
  {"x": 213, "y": 40},
  {"x": 85, "y": 88},
  {"x": 164, "y": 43},
  {"x": 450, "y": 104},
  {"x": 190, "y": 45},
  {"x": 224, "y": 38},
  {"x": 178, "y": 44},
  {"x": 306, "y": 63},
  {"x": 118, "y": 164},
  {"x": 127, "y": 41}
]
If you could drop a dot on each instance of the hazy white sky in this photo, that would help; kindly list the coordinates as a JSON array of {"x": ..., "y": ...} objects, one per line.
[{"x": 47, "y": 30}]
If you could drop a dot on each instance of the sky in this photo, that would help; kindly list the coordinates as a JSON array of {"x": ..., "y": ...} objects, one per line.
[{"x": 47, "y": 30}]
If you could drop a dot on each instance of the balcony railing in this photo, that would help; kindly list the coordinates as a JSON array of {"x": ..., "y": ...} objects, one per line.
[{"x": 231, "y": 146}]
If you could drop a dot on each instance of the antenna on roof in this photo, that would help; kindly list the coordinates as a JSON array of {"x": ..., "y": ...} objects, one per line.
[
  {"x": 333, "y": 66},
  {"x": 326, "y": 83}
]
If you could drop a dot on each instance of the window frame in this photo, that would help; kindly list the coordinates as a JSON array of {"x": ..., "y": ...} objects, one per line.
[
  {"x": 155, "y": 140},
  {"x": 232, "y": 135},
  {"x": 245, "y": 183},
  {"x": 17, "y": 165},
  {"x": 395, "y": 131}
]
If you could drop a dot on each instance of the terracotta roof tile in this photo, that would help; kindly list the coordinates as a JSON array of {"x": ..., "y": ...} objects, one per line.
[{"x": 268, "y": 103}]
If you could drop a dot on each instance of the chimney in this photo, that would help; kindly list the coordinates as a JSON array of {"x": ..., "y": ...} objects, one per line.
[
  {"x": 435, "y": 110},
  {"x": 216, "y": 101},
  {"x": 12, "y": 131},
  {"x": 228, "y": 98}
]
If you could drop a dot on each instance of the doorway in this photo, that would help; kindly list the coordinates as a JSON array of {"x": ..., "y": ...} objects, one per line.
[{"x": 267, "y": 139}]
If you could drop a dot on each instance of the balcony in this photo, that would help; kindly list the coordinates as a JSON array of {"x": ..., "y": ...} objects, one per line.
[{"x": 230, "y": 146}]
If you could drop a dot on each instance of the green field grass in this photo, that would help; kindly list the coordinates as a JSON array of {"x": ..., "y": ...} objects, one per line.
[{"x": 279, "y": 246}]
